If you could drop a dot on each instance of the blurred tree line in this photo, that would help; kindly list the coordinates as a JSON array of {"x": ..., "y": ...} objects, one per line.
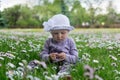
[{"x": 23, "y": 16}]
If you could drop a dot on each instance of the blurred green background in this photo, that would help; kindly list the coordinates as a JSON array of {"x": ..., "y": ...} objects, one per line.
[{"x": 35, "y": 12}]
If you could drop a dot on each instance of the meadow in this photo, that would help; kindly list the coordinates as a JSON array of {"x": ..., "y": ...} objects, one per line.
[{"x": 99, "y": 52}]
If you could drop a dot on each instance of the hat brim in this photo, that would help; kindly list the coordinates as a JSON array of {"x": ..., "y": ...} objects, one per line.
[{"x": 69, "y": 28}]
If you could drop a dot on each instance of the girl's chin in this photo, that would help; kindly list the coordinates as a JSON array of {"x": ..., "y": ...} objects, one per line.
[{"x": 59, "y": 40}]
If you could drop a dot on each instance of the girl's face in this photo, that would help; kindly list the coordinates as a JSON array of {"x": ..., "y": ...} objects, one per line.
[{"x": 59, "y": 35}]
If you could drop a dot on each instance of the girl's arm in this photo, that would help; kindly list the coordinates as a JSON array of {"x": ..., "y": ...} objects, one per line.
[
  {"x": 44, "y": 55},
  {"x": 72, "y": 57}
]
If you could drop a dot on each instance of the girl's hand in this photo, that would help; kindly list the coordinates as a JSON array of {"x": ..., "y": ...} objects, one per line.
[
  {"x": 61, "y": 56},
  {"x": 52, "y": 56}
]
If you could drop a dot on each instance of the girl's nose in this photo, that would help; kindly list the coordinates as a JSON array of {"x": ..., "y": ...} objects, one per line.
[{"x": 59, "y": 35}]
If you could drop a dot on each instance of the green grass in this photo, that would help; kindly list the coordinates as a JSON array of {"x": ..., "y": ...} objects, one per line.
[{"x": 92, "y": 44}]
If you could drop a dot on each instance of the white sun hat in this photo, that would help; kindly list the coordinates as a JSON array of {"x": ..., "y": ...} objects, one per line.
[{"x": 58, "y": 22}]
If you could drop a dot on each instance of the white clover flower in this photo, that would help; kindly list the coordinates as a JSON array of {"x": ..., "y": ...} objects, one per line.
[
  {"x": 10, "y": 74},
  {"x": 87, "y": 59},
  {"x": 13, "y": 47},
  {"x": 24, "y": 62},
  {"x": 11, "y": 65},
  {"x": 83, "y": 57},
  {"x": 1, "y": 58},
  {"x": 30, "y": 77},
  {"x": 20, "y": 74},
  {"x": 63, "y": 74},
  {"x": 77, "y": 39},
  {"x": 37, "y": 62},
  {"x": 36, "y": 78},
  {"x": 45, "y": 73},
  {"x": 20, "y": 69},
  {"x": 118, "y": 54},
  {"x": 29, "y": 67},
  {"x": 74, "y": 70},
  {"x": 21, "y": 39},
  {"x": 101, "y": 67},
  {"x": 98, "y": 77},
  {"x": 11, "y": 56},
  {"x": 43, "y": 64},
  {"x": 17, "y": 73},
  {"x": 95, "y": 61},
  {"x": 55, "y": 77},
  {"x": 13, "y": 37},
  {"x": 17, "y": 43},
  {"x": 119, "y": 73},
  {"x": 30, "y": 50},
  {"x": 114, "y": 64},
  {"x": 11, "y": 78},
  {"x": 117, "y": 78},
  {"x": 110, "y": 47},
  {"x": 48, "y": 78},
  {"x": 36, "y": 67},
  {"x": 113, "y": 58},
  {"x": 21, "y": 64},
  {"x": 24, "y": 51},
  {"x": 116, "y": 71},
  {"x": 87, "y": 55},
  {"x": 54, "y": 67},
  {"x": 1, "y": 54}
]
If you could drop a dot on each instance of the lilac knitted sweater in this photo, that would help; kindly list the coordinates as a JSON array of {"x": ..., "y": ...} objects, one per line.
[{"x": 67, "y": 46}]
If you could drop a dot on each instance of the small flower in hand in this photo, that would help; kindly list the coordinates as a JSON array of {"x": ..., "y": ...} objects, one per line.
[
  {"x": 53, "y": 56},
  {"x": 61, "y": 56}
]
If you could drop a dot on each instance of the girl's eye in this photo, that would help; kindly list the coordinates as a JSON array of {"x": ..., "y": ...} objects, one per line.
[
  {"x": 62, "y": 32},
  {"x": 55, "y": 33}
]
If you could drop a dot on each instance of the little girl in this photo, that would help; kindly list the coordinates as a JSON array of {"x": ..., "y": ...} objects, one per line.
[{"x": 59, "y": 49}]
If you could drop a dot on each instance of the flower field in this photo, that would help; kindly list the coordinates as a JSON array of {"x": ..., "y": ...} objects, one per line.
[{"x": 99, "y": 52}]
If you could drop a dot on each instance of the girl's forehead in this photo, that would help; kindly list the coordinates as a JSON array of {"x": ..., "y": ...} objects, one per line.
[{"x": 62, "y": 30}]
